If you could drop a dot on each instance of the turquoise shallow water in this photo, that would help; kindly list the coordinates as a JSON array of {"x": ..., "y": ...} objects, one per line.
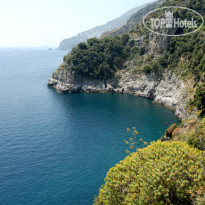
[{"x": 57, "y": 149}]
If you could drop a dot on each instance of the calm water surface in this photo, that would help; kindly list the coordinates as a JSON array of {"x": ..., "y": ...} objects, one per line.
[{"x": 57, "y": 149}]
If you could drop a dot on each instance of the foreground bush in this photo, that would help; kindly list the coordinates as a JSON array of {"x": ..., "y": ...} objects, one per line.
[{"x": 162, "y": 173}]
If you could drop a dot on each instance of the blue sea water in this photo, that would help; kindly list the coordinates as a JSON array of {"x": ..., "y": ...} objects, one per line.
[{"x": 55, "y": 148}]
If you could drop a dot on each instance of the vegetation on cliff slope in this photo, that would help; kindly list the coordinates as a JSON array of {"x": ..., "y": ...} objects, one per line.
[
  {"x": 165, "y": 172},
  {"x": 186, "y": 55},
  {"x": 199, "y": 98},
  {"x": 134, "y": 23},
  {"x": 99, "y": 58},
  {"x": 162, "y": 173},
  {"x": 102, "y": 58}
]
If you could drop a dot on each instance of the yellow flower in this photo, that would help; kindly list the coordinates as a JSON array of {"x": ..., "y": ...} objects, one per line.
[
  {"x": 126, "y": 142},
  {"x": 127, "y": 151},
  {"x": 128, "y": 130},
  {"x": 181, "y": 162},
  {"x": 145, "y": 143}
]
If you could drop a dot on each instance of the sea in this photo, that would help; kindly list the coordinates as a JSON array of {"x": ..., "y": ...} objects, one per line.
[{"x": 57, "y": 148}]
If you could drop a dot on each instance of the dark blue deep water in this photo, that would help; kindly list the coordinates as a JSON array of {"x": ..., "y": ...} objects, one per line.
[{"x": 55, "y": 148}]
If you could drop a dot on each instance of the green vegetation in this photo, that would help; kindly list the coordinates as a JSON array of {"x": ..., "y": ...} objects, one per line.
[
  {"x": 147, "y": 69},
  {"x": 100, "y": 58},
  {"x": 154, "y": 67},
  {"x": 165, "y": 172},
  {"x": 162, "y": 173},
  {"x": 197, "y": 5},
  {"x": 198, "y": 139},
  {"x": 191, "y": 131},
  {"x": 184, "y": 56},
  {"x": 189, "y": 51},
  {"x": 199, "y": 98},
  {"x": 169, "y": 132}
]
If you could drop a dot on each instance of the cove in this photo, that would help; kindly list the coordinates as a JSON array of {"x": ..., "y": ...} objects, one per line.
[{"x": 57, "y": 148}]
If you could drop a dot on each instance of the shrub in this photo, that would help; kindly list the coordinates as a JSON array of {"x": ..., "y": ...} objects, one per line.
[
  {"x": 125, "y": 38},
  {"x": 197, "y": 139},
  {"x": 142, "y": 51},
  {"x": 166, "y": 173},
  {"x": 199, "y": 98},
  {"x": 99, "y": 58},
  {"x": 82, "y": 46},
  {"x": 131, "y": 42},
  {"x": 187, "y": 49},
  {"x": 194, "y": 141},
  {"x": 147, "y": 69},
  {"x": 170, "y": 130},
  {"x": 151, "y": 57},
  {"x": 155, "y": 67},
  {"x": 163, "y": 61}
]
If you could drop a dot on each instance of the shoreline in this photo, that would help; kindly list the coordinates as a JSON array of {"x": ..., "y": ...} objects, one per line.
[{"x": 170, "y": 92}]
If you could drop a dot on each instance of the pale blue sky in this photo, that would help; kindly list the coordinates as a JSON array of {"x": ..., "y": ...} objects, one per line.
[{"x": 33, "y": 23}]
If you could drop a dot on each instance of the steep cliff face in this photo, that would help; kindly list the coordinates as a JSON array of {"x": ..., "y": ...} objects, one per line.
[
  {"x": 146, "y": 53},
  {"x": 168, "y": 90},
  {"x": 164, "y": 88}
]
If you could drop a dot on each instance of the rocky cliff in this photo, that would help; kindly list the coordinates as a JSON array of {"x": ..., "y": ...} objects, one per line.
[
  {"x": 167, "y": 90},
  {"x": 156, "y": 67}
]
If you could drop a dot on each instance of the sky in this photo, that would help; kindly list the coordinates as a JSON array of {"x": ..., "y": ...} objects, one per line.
[{"x": 36, "y": 23}]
